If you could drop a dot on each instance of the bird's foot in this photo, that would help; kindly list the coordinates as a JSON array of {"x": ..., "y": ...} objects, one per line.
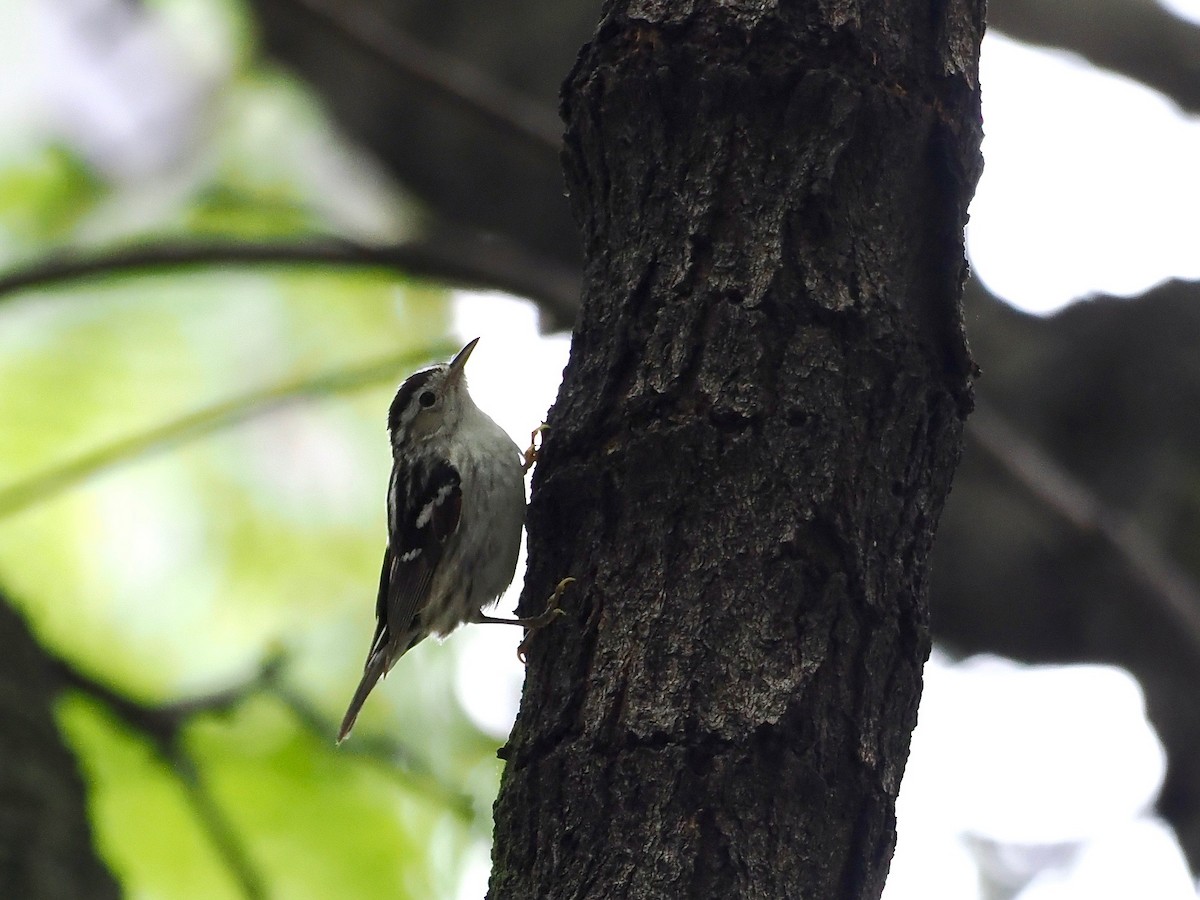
[
  {"x": 550, "y": 614},
  {"x": 533, "y": 623},
  {"x": 535, "y": 445}
]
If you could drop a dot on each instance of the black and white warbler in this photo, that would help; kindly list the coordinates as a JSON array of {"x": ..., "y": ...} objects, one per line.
[{"x": 455, "y": 509}]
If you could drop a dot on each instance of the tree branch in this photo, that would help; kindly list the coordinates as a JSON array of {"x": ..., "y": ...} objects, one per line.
[
  {"x": 162, "y": 723},
  {"x": 455, "y": 81},
  {"x": 468, "y": 261},
  {"x": 400, "y": 761},
  {"x": 212, "y": 818},
  {"x": 1057, "y": 490},
  {"x": 163, "y": 726},
  {"x": 23, "y": 494},
  {"x": 1137, "y": 38}
]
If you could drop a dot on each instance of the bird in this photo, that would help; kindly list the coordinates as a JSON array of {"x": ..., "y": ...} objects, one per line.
[{"x": 455, "y": 511}]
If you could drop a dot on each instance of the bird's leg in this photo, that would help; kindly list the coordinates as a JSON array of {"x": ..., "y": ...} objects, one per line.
[
  {"x": 533, "y": 623},
  {"x": 551, "y": 612},
  {"x": 531, "y": 452}
]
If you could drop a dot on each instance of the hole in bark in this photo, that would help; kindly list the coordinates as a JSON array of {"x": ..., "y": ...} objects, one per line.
[
  {"x": 797, "y": 418},
  {"x": 729, "y": 419}
]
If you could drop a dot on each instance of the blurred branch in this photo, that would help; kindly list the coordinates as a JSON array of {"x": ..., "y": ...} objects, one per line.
[
  {"x": 401, "y": 762},
  {"x": 213, "y": 819},
  {"x": 453, "y": 80},
  {"x": 1137, "y": 38},
  {"x": 163, "y": 726},
  {"x": 22, "y": 494},
  {"x": 1051, "y": 484},
  {"x": 163, "y": 723},
  {"x": 466, "y": 260}
]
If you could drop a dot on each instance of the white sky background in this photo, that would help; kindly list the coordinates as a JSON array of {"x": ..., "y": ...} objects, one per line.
[
  {"x": 1185, "y": 9},
  {"x": 1092, "y": 185}
]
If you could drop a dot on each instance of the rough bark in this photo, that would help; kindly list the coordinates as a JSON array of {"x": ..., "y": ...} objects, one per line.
[
  {"x": 45, "y": 840},
  {"x": 750, "y": 450}
]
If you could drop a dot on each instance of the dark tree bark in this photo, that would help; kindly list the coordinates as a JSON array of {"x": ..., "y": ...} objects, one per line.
[
  {"x": 750, "y": 450},
  {"x": 45, "y": 841}
]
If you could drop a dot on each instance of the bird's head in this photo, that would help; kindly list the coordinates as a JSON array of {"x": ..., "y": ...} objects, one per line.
[{"x": 432, "y": 402}]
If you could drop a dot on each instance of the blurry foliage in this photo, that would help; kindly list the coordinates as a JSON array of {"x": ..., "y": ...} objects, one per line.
[
  {"x": 173, "y": 573},
  {"x": 43, "y": 197}
]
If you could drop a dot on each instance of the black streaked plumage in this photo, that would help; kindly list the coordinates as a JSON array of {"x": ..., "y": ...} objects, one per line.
[{"x": 416, "y": 536}]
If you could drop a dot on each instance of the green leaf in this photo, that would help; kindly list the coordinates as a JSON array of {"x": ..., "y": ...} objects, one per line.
[{"x": 43, "y": 197}]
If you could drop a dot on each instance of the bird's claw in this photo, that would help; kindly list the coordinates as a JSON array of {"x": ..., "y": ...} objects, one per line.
[
  {"x": 531, "y": 452},
  {"x": 552, "y": 612}
]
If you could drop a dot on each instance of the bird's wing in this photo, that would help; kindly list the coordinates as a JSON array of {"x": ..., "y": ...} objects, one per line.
[
  {"x": 424, "y": 506},
  {"x": 417, "y": 535}
]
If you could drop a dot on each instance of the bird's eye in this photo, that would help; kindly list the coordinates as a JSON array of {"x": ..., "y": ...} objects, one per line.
[{"x": 427, "y": 399}]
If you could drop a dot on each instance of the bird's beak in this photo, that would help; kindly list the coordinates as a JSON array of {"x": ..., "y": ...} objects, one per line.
[{"x": 459, "y": 362}]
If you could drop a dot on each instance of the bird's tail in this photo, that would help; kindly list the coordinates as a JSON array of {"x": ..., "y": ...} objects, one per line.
[{"x": 376, "y": 666}]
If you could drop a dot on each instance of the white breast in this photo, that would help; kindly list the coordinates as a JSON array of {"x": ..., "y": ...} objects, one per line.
[{"x": 482, "y": 557}]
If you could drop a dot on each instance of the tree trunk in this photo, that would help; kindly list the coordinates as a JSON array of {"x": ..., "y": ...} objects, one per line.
[
  {"x": 45, "y": 841},
  {"x": 750, "y": 450}
]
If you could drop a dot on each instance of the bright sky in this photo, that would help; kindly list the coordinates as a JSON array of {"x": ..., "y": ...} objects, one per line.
[
  {"x": 1185, "y": 9},
  {"x": 1091, "y": 184}
]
